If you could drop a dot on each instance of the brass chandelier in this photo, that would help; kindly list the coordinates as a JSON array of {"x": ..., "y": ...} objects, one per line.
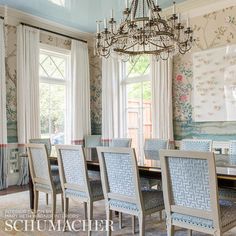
[{"x": 143, "y": 30}]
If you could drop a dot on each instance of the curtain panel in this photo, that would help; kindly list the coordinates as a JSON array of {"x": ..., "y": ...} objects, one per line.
[
  {"x": 3, "y": 117},
  {"x": 79, "y": 95},
  {"x": 28, "y": 110},
  {"x": 111, "y": 99},
  {"x": 162, "y": 115}
]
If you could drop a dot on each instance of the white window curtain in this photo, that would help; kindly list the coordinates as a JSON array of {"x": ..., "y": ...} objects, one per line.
[
  {"x": 162, "y": 116},
  {"x": 28, "y": 111},
  {"x": 80, "y": 92},
  {"x": 3, "y": 118},
  {"x": 111, "y": 100}
]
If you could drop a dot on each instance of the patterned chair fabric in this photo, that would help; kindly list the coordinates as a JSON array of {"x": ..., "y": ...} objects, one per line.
[
  {"x": 120, "y": 173},
  {"x": 232, "y": 147},
  {"x": 45, "y": 141},
  {"x": 151, "y": 151},
  {"x": 227, "y": 216},
  {"x": 93, "y": 141},
  {"x": 190, "y": 185},
  {"x": 196, "y": 145},
  {"x": 75, "y": 174},
  {"x": 189, "y": 181},
  {"x": 121, "y": 142},
  {"x": 121, "y": 180}
]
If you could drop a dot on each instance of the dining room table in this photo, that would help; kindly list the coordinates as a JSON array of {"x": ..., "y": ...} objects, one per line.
[{"x": 150, "y": 167}]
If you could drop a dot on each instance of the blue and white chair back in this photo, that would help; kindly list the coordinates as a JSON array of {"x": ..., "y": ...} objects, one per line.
[
  {"x": 45, "y": 141},
  {"x": 153, "y": 146},
  {"x": 119, "y": 173},
  {"x": 39, "y": 164},
  {"x": 92, "y": 141},
  {"x": 200, "y": 145},
  {"x": 190, "y": 187},
  {"x": 121, "y": 142},
  {"x": 232, "y": 147},
  {"x": 72, "y": 168}
]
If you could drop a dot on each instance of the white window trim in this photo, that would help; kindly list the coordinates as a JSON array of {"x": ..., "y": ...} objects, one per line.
[{"x": 59, "y": 52}]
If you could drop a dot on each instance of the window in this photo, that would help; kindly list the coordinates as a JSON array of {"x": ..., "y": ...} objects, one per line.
[
  {"x": 137, "y": 105},
  {"x": 53, "y": 71}
]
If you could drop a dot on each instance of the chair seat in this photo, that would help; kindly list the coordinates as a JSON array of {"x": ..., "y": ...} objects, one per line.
[
  {"x": 56, "y": 181},
  {"x": 96, "y": 191},
  {"x": 227, "y": 193},
  {"x": 227, "y": 215},
  {"x": 153, "y": 199}
]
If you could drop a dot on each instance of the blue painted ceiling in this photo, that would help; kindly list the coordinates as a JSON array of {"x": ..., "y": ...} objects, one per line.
[{"x": 79, "y": 14}]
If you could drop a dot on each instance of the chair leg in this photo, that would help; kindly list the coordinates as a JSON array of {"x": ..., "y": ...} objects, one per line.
[
  {"x": 109, "y": 218},
  {"x": 133, "y": 224},
  {"x": 66, "y": 208},
  {"x": 54, "y": 200},
  {"x": 90, "y": 216},
  {"x": 160, "y": 214},
  {"x": 36, "y": 203},
  {"x": 85, "y": 211},
  {"x": 141, "y": 225},
  {"x": 189, "y": 232},
  {"x": 120, "y": 220},
  {"x": 62, "y": 202},
  {"x": 46, "y": 198},
  {"x": 170, "y": 230}
]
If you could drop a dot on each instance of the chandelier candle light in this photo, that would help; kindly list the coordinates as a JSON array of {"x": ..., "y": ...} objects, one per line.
[{"x": 143, "y": 31}]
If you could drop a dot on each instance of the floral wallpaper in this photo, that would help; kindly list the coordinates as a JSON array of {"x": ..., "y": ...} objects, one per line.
[
  {"x": 53, "y": 40},
  {"x": 211, "y": 30}
]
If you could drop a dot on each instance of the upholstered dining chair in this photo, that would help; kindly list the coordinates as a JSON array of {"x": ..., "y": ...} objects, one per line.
[
  {"x": 121, "y": 186},
  {"x": 53, "y": 165},
  {"x": 75, "y": 181},
  {"x": 202, "y": 145},
  {"x": 206, "y": 146},
  {"x": 121, "y": 142},
  {"x": 151, "y": 151},
  {"x": 225, "y": 192},
  {"x": 190, "y": 193},
  {"x": 43, "y": 179}
]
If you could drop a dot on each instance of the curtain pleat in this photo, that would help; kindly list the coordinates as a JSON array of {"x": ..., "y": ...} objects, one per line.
[
  {"x": 3, "y": 117},
  {"x": 28, "y": 111},
  {"x": 79, "y": 95},
  {"x": 162, "y": 115}
]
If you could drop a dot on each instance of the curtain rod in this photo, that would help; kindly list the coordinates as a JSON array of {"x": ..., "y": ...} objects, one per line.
[{"x": 53, "y": 32}]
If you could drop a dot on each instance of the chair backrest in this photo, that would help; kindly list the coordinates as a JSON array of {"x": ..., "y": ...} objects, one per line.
[
  {"x": 92, "y": 141},
  {"x": 121, "y": 142},
  {"x": 232, "y": 147},
  {"x": 119, "y": 173},
  {"x": 39, "y": 164},
  {"x": 190, "y": 184},
  {"x": 153, "y": 146},
  {"x": 201, "y": 145},
  {"x": 45, "y": 141},
  {"x": 72, "y": 168}
]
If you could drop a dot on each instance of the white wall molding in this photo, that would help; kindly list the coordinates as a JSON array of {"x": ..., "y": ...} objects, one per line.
[{"x": 15, "y": 17}]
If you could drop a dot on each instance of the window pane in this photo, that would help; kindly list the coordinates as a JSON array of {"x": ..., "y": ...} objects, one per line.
[
  {"x": 52, "y": 66},
  {"x": 52, "y": 112},
  {"x": 139, "y": 65}
]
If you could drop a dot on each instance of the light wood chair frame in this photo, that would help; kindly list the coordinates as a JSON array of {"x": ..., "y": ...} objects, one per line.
[
  {"x": 137, "y": 199},
  {"x": 52, "y": 190},
  {"x": 87, "y": 201},
  {"x": 170, "y": 208}
]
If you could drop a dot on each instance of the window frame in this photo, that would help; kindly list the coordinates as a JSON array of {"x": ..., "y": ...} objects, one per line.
[{"x": 63, "y": 53}]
